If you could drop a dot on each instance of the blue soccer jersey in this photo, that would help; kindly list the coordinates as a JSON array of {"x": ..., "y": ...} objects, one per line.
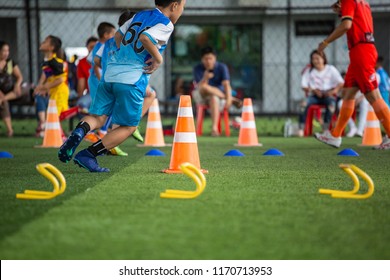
[
  {"x": 126, "y": 64},
  {"x": 93, "y": 80},
  {"x": 108, "y": 49}
]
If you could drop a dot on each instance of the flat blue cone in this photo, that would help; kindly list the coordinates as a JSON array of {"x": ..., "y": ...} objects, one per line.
[
  {"x": 155, "y": 153},
  {"x": 274, "y": 153},
  {"x": 234, "y": 153},
  {"x": 5, "y": 155},
  {"x": 348, "y": 153}
]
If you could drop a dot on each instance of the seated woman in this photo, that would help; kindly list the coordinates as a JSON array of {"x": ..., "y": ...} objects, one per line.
[
  {"x": 321, "y": 83},
  {"x": 10, "y": 85}
]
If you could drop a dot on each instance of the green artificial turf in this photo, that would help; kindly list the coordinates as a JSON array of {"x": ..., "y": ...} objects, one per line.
[{"x": 253, "y": 207}]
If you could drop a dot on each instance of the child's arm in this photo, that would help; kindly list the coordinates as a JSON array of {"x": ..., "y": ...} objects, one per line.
[
  {"x": 97, "y": 61},
  {"x": 156, "y": 60},
  {"x": 96, "y": 70},
  {"x": 44, "y": 89},
  {"x": 55, "y": 83},
  {"x": 39, "y": 89}
]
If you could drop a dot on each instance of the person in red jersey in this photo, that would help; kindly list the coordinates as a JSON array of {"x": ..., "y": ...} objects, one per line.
[{"x": 356, "y": 21}]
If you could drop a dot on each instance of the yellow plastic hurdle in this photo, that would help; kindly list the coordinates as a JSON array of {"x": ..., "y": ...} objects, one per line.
[
  {"x": 352, "y": 170},
  {"x": 53, "y": 175},
  {"x": 196, "y": 175}
]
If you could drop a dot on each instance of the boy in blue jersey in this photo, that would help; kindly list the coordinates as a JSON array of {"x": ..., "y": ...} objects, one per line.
[
  {"x": 100, "y": 60},
  {"x": 140, "y": 42},
  {"x": 105, "y": 31}
]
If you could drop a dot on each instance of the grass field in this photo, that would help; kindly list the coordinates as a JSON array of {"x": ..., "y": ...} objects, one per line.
[{"x": 253, "y": 207}]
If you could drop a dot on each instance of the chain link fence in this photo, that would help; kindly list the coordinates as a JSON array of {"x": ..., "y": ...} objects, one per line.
[{"x": 265, "y": 43}]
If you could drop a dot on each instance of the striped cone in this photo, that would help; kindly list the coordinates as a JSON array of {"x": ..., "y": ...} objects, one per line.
[
  {"x": 185, "y": 146},
  {"x": 52, "y": 137},
  {"x": 372, "y": 135},
  {"x": 248, "y": 133},
  {"x": 154, "y": 136}
]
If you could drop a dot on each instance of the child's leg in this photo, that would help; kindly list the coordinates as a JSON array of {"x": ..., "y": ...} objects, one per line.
[
  {"x": 381, "y": 109},
  {"x": 87, "y": 158},
  {"x": 117, "y": 136},
  {"x": 83, "y": 127},
  {"x": 346, "y": 111},
  {"x": 104, "y": 129},
  {"x": 363, "y": 111},
  {"x": 148, "y": 101}
]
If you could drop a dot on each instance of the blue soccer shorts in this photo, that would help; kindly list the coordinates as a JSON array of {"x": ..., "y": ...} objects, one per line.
[{"x": 121, "y": 101}]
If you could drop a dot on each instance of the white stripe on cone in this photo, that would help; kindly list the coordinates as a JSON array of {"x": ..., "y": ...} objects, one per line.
[
  {"x": 52, "y": 126},
  {"x": 373, "y": 124},
  {"x": 52, "y": 110},
  {"x": 154, "y": 109},
  {"x": 248, "y": 124},
  {"x": 185, "y": 112},
  {"x": 185, "y": 137},
  {"x": 156, "y": 124},
  {"x": 247, "y": 109}
]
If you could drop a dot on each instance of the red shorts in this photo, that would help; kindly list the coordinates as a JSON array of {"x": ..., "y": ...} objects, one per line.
[{"x": 361, "y": 71}]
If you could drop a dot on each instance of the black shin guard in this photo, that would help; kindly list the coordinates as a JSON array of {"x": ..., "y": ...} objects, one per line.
[
  {"x": 84, "y": 126},
  {"x": 97, "y": 148}
]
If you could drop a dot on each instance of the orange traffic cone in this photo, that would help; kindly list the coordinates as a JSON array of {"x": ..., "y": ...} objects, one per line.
[
  {"x": 154, "y": 136},
  {"x": 185, "y": 146},
  {"x": 372, "y": 135},
  {"x": 52, "y": 137},
  {"x": 248, "y": 133}
]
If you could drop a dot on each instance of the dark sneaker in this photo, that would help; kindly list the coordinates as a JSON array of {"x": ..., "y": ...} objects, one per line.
[
  {"x": 86, "y": 160},
  {"x": 137, "y": 136},
  {"x": 67, "y": 149}
]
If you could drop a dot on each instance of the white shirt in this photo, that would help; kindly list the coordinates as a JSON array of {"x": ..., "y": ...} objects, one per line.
[{"x": 324, "y": 80}]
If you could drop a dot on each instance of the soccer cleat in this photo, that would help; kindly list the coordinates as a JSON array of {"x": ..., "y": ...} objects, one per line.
[
  {"x": 137, "y": 135},
  {"x": 328, "y": 138},
  {"x": 385, "y": 145},
  {"x": 70, "y": 145},
  {"x": 86, "y": 160},
  {"x": 118, "y": 152}
]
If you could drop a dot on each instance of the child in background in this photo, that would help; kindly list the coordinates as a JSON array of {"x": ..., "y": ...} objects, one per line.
[
  {"x": 105, "y": 31},
  {"x": 140, "y": 43},
  {"x": 53, "y": 81},
  {"x": 384, "y": 80}
]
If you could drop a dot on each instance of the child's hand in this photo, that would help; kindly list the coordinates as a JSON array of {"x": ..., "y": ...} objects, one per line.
[
  {"x": 40, "y": 90},
  {"x": 153, "y": 65}
]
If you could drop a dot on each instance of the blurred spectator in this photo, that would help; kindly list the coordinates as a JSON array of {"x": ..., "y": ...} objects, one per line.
[
  {"x": 321, "y": 84},
  {"x": 83, "y": 69},
  {"x": 212, "y": 84},
  {"x": 53, "y": 81},
  {"x": 11, "y": 80},
  {"x": 384, "y": 84}
]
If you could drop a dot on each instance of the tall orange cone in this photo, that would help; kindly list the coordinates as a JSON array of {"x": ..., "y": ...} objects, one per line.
[
  {"x": 52, "y": 137},
  {"x": 372, "y": 135},
  {"x": 154, "y": 136},
  {"x": 185, "y": 146},
  {"x": 248, "y": 133}
]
